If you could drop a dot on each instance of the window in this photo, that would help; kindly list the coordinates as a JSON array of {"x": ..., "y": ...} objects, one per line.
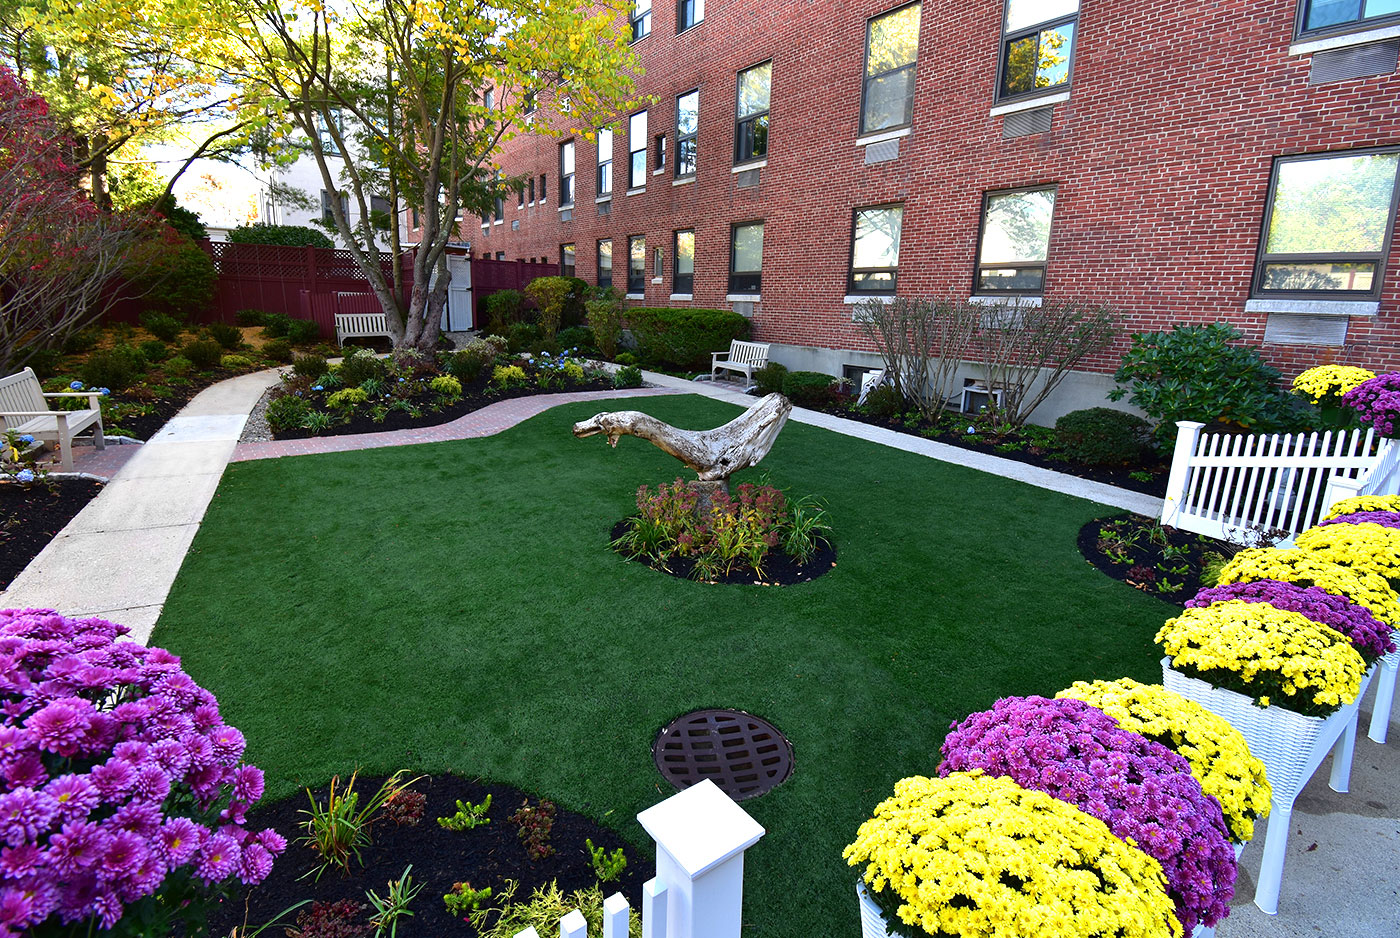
[
  {"x": 500, "y": 200},
  {"x": 660, "y": 152},
  {"x": 637, "y": 150},
  {"x": 683, "y": 280},
  {"x": 543, "y": 190},
  {"x": 1327, "y": 225},
  {"x": 641, "y": 19},
  {"x": 381, "y": 212},
  {"x": 605, "y": 161},
  {"x": 746, "y": 257},
  {"x": 489, "y": 99},
  {"x": 566, "y": 173},
  {"x": 500, "y": 255},
  {"x": 636, "y": 264},
  {"x": 566, "y": 260},
  {"x": 1339, "y": 15},
  {"x": 891, "y": 50},
  {"x": 323, "y": 131},
  {"x": 605, "y": 262},
  {"x": 1037, "y": 45},
  {"x": 687, "y": 132},
  {"x": 688, "y": 13},
  {"x": 751, "y": 130},
  {"x": 521, "y": 196},
  {"x": 328, "y": 211},
  {"x": 1015, "y": 241},
  {"x": 875, "y": 249},
  {"x": 416, "y": 220},
  {"x": 658, "y": 263},
  {"x": 532, "y": 190}
]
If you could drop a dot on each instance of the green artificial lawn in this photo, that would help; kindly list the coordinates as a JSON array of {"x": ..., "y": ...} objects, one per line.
[{"x": 455, "y": 606}]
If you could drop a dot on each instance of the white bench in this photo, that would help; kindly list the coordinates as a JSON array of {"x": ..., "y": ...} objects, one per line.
[
  {"x": 360, "y": 326},
  {"x": 24, "y": 408},
  {"x": 742, "y": 358}
]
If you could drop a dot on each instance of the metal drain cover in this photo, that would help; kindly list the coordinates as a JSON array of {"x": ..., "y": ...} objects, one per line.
[{"x": 741, "y": 753}]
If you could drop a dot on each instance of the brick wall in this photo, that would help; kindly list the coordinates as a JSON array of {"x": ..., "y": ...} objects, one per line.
[{"x": 1161, "y": 159}]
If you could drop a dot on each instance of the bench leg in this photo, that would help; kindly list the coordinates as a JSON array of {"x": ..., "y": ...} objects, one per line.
[
  {"x": 98, "y": 440},
  {"x": 65, "y": 447}
]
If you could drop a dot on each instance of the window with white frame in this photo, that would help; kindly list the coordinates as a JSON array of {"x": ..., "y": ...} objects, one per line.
[
  {"x": 605, "y": 262},
  {"x": 605, "y": 162},
  {"x": 566, "y": 174},
  {"x": 1015, "y": 241},
  {"x": 566, "y": 260},
  {"x": 1037, "y": 46},
  {"x": 875, "y": 249},
  {"x": 683, "y": 278},
  {"x": 687, "y": 133},
  {"x": 1320, "y": 17},
  {"x": 746, "y": 257},
  {"x": 641, "y": 19},
  {"x": 636, "y": 264},
  {"x": 637, "y": 150},
  {"x": 891, "y": 53}
]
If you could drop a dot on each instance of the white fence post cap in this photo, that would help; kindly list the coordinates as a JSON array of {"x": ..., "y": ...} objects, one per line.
[{"x": 701, "y": 827}]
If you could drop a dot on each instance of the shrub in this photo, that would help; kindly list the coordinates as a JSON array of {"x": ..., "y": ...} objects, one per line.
[
  {"x": 922, "y": 344},
  {"x": 411, "y": 363},
  {"x": 276, "y": 325},
  {"x": 1196, "y": 373},
  {"x": 467, "y": 363},
  {"x": 359, "y": 367},
  {"x": 286, "y": 413},
  {"x": 279, "y": 350},
  {"x": 178, "y": 367},
  {"x": 285, "y": 235},
  {"x": 446, "y": 385},
  {"x": 509, "y": 376},
  {"x": 504, "y": 308},
  {"x": 579, "y": 338},
  {"x": 250, "y": 317},
  {"x": 310, "y": 366},
  {"x": 550, "y": 294},
  {"x": 347, "y": 399},
  {"x": 230, "y": 337},
  {"x": 628, "y": 376},
  {"x": 84, "y": 340},
  {"x": 236, "y": 363},
  {"x": 204, "y": 353},
  {"x": 627, "y": 359},
  {"x": 172, "y": 273},
  {"x": 117, "y": 367},
  {"x": 807, "y": 387},
  {"x": 82, "y": 708},
  {"x": 303, "y": 331},
  {"x": 163, "y": 327},
  {"x": 605, "y": 319},
  {"x": 1102, "y": 436},
  {"x": 154, "y": 350},
  {"x": 521, "y": 337},
  {"x": 684, "y": 338},
  {"x": 769, "y": 378}
]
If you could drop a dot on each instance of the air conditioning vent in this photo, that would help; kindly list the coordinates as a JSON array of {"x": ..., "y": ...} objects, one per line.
[
  {"x": 882, "y": 152},
  {"x": 748, "y": 179},
  {"x": 1023, "y": 123},
  {"x": 1287, "y": 329},
  {"x": 604, "y": 208},
  {"x": 743, "y": 308},
  {"x": 566, "y": 215},
  {"x": 1376, "y": 58}
]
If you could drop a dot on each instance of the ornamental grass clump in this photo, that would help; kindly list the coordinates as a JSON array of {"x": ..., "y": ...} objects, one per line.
[
  {"x": 1219, "y": 756},
  {"x": 1139, "y": 788},
  {"x": 1363, "y": 546},
  {"x": 1272, "y": 655},
  {"x": 1377, "y": 402},
  {"x": 124, "y": 799},
  {"x": 973, "y": 856},
  {"x": 1305, "y": 568},
  {"x": 1389, "y": 503},
  {"x": 1370, "y": 636}
]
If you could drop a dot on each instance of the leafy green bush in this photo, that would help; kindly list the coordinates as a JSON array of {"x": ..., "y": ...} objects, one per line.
[
  {"x": 279, "y": 350},
  {"x": 627, "y": 359},
  {"x": 116, "y": 368},
  {"x": 547, "y": 904},
  {"x": 172, "y": 273},
  {"x": 286, "y": 413},
  {"x": 163, "y": 327},
  {"x": 178, "y": 367},
  {"x": 1196, "y": 373},
  {"x": 550, "y": 294},
  {"x": 227, "y": 336},
  {"x": 509, "y": 376},
  {"x": 577, "y": 337},
  {"x": 84, "y": 340},
  {"x": 504, "y": 308},
  {"x": 348, "y": 399},
  {"x": 310, "y": 366},
  {"x": 769, "y": 378},
  {"x": 683, "y": 338},
  {"x": 203, "y": 353},
  {"x": 884, "y": 401},
  {"x": 236, "y": 363},
  {"x": 605, "y": 319},
  {"x": 447, "y": 386},
  {"x": 1102, "y": 436},
  {"x": 521, "y": 337},
  {"x": 628, "y": 376},
  {"x": 276, "y": 325},
  {"x": 358, "y": 367},
  {"x": 302, "y": 331},
  {"x": 154, "y": 349},
  {"x": 807, "y": 387},
  {"x": 250, "y": 317},
  {"x": 285, "y": 235},
  {"x": 467, "y": 364}
]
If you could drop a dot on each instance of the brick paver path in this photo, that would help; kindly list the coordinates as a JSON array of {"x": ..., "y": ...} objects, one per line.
[{"x": 487, "y": 421}]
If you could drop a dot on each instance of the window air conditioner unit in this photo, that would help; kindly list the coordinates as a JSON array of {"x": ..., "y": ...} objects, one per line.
[{"x": 976, "y": 397}]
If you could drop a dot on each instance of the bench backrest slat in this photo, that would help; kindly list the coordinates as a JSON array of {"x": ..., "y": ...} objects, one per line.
[
  {"x": 748, "y": 353},
  {"x": 22, "y": 392}
]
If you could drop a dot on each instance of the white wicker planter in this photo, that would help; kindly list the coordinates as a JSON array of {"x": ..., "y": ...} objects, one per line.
[
  {"x": 1385, "y": 696},
  {"x": 1290, "y": 745},
  {"x": 872, "y": 920}
]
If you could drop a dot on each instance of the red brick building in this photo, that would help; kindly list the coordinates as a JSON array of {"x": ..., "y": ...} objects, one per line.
[{"x": 1184, "y": 160}]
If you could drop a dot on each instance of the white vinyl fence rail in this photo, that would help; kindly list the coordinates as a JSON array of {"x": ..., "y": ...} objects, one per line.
[
  {"x": 698, "y": 890},
  {"x": 1223, "y": 485}
]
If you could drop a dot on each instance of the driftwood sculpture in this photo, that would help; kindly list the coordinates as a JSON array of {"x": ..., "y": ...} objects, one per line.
[{"x": 714, "y": 454}]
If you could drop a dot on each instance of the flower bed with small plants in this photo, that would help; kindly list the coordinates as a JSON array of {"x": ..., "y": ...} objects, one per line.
[
  {"x": 33, "y": 506},
  {"x": 1166, "y": 562}
]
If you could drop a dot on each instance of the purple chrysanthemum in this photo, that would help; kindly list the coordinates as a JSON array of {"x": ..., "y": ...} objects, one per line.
[
  {"x": 218, "y": 858},
  {"x": 1370, "y": 635},
  {"x": 59, "y": 727},
  {"x": 1377, "y": 402},
  {"x": 74, "y": 795},
  {"x": 179, "y": 839},
  {"x": 1139, "y": 788},
  {"x": 1386, "y": 519},
  {"x": 24, "y": 814}
]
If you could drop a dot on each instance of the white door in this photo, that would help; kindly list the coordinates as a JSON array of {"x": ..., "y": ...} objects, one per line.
[{"x": 457, "y": 317}]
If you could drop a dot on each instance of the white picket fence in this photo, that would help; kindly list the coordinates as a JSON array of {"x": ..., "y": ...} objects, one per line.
[
  {"x": 698, "y": 890},
  {"x": 1223, "y": 484}
]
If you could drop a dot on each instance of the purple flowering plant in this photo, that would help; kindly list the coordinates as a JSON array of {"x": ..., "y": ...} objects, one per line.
[
  {"x": 1139, "y": 788},
  {"x": 1386, "y": 519},
  {"x": 122, "y": 792},
  {"x": 1371, "y": 637},
  {"x": 1377, "y": 402}
]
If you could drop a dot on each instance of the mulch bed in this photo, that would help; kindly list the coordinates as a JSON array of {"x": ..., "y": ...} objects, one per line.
[
  {"x": 779, "y": 569},
  {"x": 484, "y": 856},
  {"x": 474, "y": 397},
  {"x": 31, "y": 517},
  {"x": 1143, "y": 564}
]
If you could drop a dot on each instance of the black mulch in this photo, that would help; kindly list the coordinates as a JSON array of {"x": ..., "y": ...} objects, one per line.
[
  {"x": 1120, "y": 476},
  {"x": 1146, "y": 567},
  {"x": 474, "y": 397},
  {"x": 779, "y": 569},
  {"x": 484, "y": 856},
  {"x": 30, "y": 517}
]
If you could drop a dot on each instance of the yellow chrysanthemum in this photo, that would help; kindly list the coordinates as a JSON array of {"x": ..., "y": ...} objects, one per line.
[
  {"x": 1303, "y": 567},
  {"x": 1269, "y": 651},
  {"x": 981, "y": 857},
  {"x": 1365, "y": 546},
  {"x": 1349, "y": 506},
  {"x": 1327, "y": 383},
  {"x": 1219, "y": 756}
]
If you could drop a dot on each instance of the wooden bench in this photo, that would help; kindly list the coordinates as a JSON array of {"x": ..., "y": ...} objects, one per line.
[
  {"x": 742, "y": 358},
  {"x": 361, "y": 326},
  {"x": 24, "y": 408}
]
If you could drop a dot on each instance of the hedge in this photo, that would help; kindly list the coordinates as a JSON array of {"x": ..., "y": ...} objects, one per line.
[{"x": 683, "y": 338}]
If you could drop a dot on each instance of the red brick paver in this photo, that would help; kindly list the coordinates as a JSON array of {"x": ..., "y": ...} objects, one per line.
[
  {"x": 487, "y": 421},
  {"x": 88, "y": 459}
]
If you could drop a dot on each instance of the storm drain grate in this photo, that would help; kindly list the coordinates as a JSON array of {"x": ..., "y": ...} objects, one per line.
[{"x": 741, "y": 753}]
